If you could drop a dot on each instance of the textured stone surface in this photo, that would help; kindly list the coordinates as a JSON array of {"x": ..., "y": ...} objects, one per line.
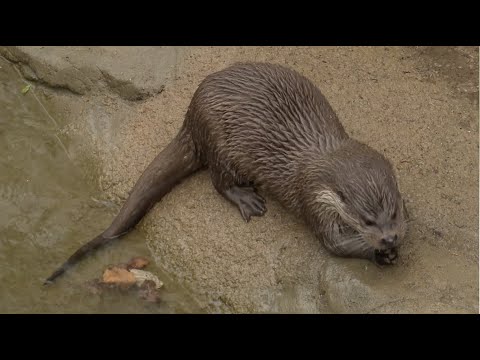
[{"x": 132, "y": 72}]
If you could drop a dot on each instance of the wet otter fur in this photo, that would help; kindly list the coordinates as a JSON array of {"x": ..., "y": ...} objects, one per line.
[{"x": 265, "y": 126}]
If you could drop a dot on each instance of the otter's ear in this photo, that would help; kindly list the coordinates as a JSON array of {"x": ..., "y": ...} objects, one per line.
[
  {"x": 340, "y": 195},
  {"x": 332, "y": 197}
]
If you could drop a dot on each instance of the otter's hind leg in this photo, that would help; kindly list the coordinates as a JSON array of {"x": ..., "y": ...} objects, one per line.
[{"x": 240, "y": 193}]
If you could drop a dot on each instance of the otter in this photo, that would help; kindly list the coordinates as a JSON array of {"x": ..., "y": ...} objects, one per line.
[{"x": 265, "y": 127}]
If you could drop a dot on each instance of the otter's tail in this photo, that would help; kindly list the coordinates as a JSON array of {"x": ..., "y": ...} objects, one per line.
[{"x": 174, "y": 163}]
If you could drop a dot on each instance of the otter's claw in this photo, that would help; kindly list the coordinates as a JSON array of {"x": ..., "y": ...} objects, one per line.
[
  {"x": 386, "y": 257},
  {"x": 248, "y": 201}
]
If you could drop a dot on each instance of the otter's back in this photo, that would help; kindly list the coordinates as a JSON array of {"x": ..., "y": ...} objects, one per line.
[{"x": 261, "y": 114}]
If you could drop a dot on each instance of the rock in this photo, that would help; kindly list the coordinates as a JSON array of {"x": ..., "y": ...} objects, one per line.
[
  {"x": 274, "y": 264},
  {"x": 141, "y": 276},
  {"x": 143, "y": 71},
  {"x": 148, "y": 292}
]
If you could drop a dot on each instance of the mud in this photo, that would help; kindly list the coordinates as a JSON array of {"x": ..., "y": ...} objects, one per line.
[{"x": 418, "y": 105}]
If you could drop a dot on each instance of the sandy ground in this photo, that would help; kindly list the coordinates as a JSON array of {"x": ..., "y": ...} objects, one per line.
[{"x": 417, "y": 105}]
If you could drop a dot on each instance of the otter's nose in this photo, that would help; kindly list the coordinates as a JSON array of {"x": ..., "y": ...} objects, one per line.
[{"x": 389, "y": 241}]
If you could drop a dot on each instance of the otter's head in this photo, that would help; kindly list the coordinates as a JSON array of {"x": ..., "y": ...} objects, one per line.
[{"x": 365, "y": 195}]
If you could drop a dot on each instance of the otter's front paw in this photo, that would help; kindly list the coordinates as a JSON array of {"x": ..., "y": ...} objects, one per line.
[{"x": 386, "y": 257}]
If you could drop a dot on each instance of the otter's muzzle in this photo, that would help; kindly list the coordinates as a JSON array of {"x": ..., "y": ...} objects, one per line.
[{"x": 390, "y": 241}]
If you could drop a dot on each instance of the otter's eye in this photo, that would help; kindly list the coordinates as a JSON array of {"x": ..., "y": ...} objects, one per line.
[{"x": 368, "y": 222}]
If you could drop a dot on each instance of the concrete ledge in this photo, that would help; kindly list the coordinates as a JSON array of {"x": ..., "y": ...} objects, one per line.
[{"x": 134, "y": 73}]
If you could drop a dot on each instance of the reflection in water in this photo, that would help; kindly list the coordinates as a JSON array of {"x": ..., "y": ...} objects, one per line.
[{"x": 47, "y": 212}]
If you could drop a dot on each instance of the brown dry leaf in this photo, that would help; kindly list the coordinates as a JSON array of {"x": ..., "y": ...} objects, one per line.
[
  {"x": 116, "y": 275},
  {"x": 138, "y": 262}
]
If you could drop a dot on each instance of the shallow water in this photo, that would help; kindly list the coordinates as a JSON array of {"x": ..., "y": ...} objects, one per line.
[{"x": 47, "y": 210}]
